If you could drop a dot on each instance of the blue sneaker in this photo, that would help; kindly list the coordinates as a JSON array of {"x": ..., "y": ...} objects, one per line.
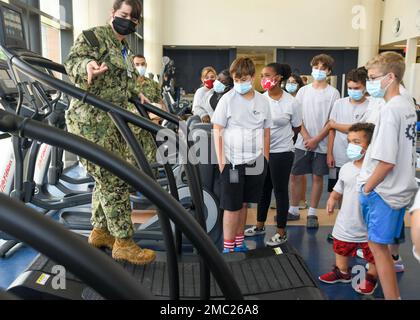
[
  {"x": 244, "y": 248},
  {"x": 227, "y": 251}
]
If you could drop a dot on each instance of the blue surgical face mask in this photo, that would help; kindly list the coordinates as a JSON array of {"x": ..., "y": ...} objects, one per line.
[
  {"x": 356, "y": 95},
  {"x": 319, "y": 75},
  {"x": 243, "y": 88},
  {"x": 354, "y": 152},
  {"x": 291, "y": 87},
  {"x": 141, "y": 70},
  {"x": 374, "y": 88},
  {"x": 219, "y": 87}
]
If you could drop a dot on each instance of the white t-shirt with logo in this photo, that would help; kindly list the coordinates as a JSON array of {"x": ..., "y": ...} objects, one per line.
[
  {"x": 245, "y": 122},
  {"x": 349, "y": 226},
  {"x": 344, "y": 112},
  {"x": 316, "y": 110},
  {"x": 394, "y": 142},
  {"x": 286, "y": 114}
]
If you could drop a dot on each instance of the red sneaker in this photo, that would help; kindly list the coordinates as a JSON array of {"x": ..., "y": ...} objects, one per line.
[
  {"x": 368, "y": 286},
  {"x": 336, "y": 276}
]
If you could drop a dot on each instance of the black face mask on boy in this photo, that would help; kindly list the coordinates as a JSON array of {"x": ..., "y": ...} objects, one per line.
[{"x": 123, "y": 26}]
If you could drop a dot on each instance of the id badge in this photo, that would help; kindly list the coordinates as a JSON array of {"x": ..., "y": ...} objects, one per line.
[{"x": 234, "y": 176}]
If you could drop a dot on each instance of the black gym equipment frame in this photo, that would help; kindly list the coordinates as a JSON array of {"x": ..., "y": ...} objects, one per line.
[
  {"x": 122, "y": 118},
  {"x": 266, "y": 273},
  {"x": 169, "y": 207},
  {"x": 68, "y": 249}
]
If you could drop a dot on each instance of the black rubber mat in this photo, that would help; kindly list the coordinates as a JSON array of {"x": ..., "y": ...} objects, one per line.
[
  {"x": 261, "y": 274},
  {"x": 256, "y": 276}
]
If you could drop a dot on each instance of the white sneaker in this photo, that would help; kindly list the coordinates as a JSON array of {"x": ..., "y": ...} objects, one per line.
[
  {"x": 398, "y": 266},
  {"x": 253, "y": 231},
  {"x": 277, "y": 240}
]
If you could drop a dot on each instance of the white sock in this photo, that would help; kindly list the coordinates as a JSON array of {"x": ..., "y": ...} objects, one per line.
[
  {"x": 294, "y": 210},
  {"x": 312, "y": 212}
]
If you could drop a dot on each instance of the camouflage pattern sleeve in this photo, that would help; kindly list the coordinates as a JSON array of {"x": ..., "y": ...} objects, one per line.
[
  {"x": 134, "y": 86},
  {"x": 158, "y": 92},
  {"x": 80, "y": 55}
]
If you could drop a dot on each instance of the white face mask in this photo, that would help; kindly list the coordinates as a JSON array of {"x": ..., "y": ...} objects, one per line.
[{"x": 141, "y": 70}]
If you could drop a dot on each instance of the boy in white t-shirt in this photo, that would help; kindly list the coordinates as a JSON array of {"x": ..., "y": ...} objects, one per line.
[
  {"x": 242, "y": 123},
  {"x": 350, "y": 233},
  {"x": 372, "y": 116},
  {"x": 346, "y": 111},
  {"x": 317, "y": 100},
  {"x": 387, "y": 179}
]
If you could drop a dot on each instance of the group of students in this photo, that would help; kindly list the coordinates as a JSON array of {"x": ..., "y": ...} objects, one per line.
[{"x": 366, "y": 143}]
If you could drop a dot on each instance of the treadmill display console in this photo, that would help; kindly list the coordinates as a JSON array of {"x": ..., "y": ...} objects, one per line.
[
  {"x": 7, "y": 85},
  {"x": 12, "y": 30},
  {"x": 13, "y": 27}
]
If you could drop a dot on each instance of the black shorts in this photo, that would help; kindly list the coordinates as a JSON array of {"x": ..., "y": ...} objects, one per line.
[
  {"x": 248, "y": 189},
  {"x": 332, "y": 181},
  {"x": 308, "y": 162}
]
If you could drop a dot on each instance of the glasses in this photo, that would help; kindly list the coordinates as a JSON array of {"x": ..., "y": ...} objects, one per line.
[{"x": 376, "y": 78}]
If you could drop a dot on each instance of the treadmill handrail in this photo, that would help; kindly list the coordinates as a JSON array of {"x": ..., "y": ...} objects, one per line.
[
  {"x": 156, "y": 111},
  {"x": 137, "y": 179},
  {"x": 90, "y": 265},
  {"x": 192, "y": 173},
  {"x": 78, "y": 93}
]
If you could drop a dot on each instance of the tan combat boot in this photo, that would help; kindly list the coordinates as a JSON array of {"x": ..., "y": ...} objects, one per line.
[
  {"x": 101, "y": 238},
  {"x": 127, "y": 250}
]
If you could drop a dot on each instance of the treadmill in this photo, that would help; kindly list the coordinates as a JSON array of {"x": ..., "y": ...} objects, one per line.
[
  {"x": 269, "y": 274},
  {"x": 76, "y": 214}
]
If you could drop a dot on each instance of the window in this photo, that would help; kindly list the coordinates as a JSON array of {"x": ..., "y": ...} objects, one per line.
[
  {"x": 50, "y": 30},
  {"x": 51, "y": 42}
]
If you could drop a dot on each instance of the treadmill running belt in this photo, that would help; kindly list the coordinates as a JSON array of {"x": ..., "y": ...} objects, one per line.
[
  {"x": 278, "y": 276},
  {"x": 269, "y": 274}
]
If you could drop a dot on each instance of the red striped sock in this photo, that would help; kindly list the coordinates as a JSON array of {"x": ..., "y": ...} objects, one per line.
[
  {"x": 239, "y": 241},
  {"x": 229, "y": 245}
]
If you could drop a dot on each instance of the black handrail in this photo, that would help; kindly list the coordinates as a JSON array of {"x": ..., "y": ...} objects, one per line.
[
  {"x": 138, "y": 180},
  {"x": 165, "y": 224},
  {"x": 69, "y": 250},
  {"x": 191, "y": 171}
]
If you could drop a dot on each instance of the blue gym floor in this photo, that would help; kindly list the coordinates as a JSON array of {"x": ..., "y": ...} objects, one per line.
[{"x": 313, "y": 247}]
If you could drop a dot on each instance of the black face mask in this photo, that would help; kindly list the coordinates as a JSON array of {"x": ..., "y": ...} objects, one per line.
[{"x": 123, "y": 26}]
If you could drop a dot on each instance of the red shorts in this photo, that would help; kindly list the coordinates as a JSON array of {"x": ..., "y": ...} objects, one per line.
[{"x": 348, "y": 249}]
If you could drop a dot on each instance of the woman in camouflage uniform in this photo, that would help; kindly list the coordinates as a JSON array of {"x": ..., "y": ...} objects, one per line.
[{"x": 103, "y": 66}]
